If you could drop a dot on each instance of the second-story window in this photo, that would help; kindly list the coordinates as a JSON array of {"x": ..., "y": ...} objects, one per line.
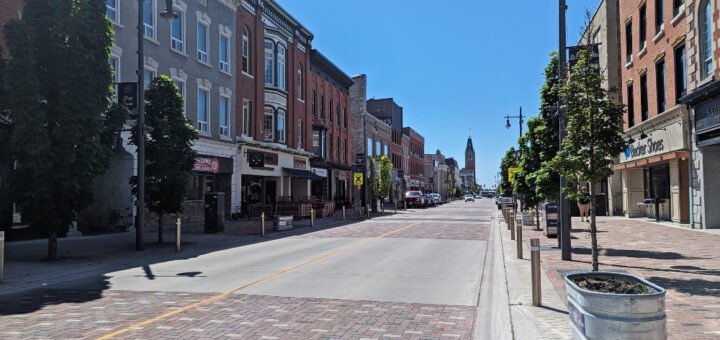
[
  {"x": 680, "y": 74},
  {"x": 177, "y": 32},
  {"x": 337, "y": 113},
  {"x": 330, "y": 107},
  {"x": 246, "y": 51},
  {"x": 313, "y": 104},
  {"x": 202, "y": 42},
  {"x": 112, "y": 11},
  {"x": 246, "y": 117},
  {"x": 630, "y": 105},
  {"x": 322, "y": 106},
  {"x": 628, "y": 41},
  {"x": 269, "y": 124},
  {"x": 224, "y": 51},
  {"x": 149, "y": 18},
  {"x": 203, "y": 110},
  {"x": 224, "y": 116},
  {"x": 659, "y": 16},
  {"x": 643, "y": 97},
  {"x": 281, "y": 120},
  {"x": 660, "y": 85},
  {"x": 705, "y": 31},
  {"x": 345, "y": 118}
]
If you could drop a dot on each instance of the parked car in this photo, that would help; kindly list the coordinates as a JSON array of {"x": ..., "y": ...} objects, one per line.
[
  {"x": 436, "y": 198},
  {"x": 488, "y": 194},
  {"x": 469, "y": 198},
  {"x": 415, "y": 198},
  {"x": 504, "y": 199},
  {"x": 429, "y": 201}
]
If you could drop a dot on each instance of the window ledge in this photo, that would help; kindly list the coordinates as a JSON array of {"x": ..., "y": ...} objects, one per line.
[
  {"x": 247, "y": 74},
  {"x": 679, "y": 16},
  {"x": 629, "y": 64},
  {"x": 152, "y": 40},
  {"x": 642, "y": 52},
  {"x": 204, "y": 63},
  {"x": 118, "y": 24},
  {"x": 226, "y": 73},
  {"x": 225, "y": 138},
  {"x": 659, "y": 35},
  {"x": 182, "y": 53},
  {"x": 204, "y": 133}
]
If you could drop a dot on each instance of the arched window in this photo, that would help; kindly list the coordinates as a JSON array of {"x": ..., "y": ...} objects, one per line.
[
  {"x": 281, "y": 126},
  {"x": 269, "y": 62},
  {"x": 246, "y": 51},
  {"x": 281, "y": 66},
  {"x": 705, "y": 35}
]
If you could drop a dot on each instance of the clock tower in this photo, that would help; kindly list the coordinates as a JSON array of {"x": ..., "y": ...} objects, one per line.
[{"x": 470, "y": 159}]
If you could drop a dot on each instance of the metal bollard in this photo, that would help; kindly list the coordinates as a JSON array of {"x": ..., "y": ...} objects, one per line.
[
  {"x": 404, "y": 205},
  {"x": 511, "y": 225},
  {"x": 262, "y": 224},
  {"x": 535, "y": 271},
  {"x": 2, "y": 255},
  {"x": 396, "y": 207},
  {"x": 518, "y": 236},
  {"x": 343, "y": 213},
  {"x": 367, "y": 211},
  {"x": 177, "y": 234},
  {"x": 312, "y": 218}
]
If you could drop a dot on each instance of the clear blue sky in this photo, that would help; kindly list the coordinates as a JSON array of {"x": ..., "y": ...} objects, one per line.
[{"x": 452, "y": 65}]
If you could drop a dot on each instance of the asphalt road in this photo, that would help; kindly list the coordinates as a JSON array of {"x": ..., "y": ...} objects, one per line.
[{"x": 414, "y": 275}]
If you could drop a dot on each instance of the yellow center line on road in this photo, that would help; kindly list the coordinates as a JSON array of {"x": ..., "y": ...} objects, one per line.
[{"x": 264, "y": 278}]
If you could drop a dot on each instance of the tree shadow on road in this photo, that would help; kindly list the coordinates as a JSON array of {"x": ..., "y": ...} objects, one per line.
[
  {"x": 689, "y": 286},
  {"x": 634, "y": 253},
  {"x": 36, "y": 299}
]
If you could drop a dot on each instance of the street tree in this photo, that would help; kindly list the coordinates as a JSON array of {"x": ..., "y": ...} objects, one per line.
[
  {"x": 385, "y": 179},
  {"x": 169, "y": 157},
  {"x": 546, "y": 136},
  {"x": 508, "y": 161},
  {"x": 525, "y": 183},
  {"x": 59, "y": 84},
  {"x": 373, "y": 183},
  {"x": 594, "y": 134}
]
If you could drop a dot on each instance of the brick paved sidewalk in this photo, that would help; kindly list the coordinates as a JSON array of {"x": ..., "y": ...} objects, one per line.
[{"x": 683, "y": 261}]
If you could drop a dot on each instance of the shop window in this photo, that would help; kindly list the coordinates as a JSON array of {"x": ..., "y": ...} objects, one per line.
[{"x": 657, "y": 182}]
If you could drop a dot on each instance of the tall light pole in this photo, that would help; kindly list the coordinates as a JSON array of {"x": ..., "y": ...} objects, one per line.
[
  {"x": 167, "y": 13},
  {"x": 564, "y": 238},
  {"x": 519, "y": 152}
]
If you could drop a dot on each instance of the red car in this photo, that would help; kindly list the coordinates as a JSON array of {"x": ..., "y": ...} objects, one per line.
[{"x": 415, "y": 199}]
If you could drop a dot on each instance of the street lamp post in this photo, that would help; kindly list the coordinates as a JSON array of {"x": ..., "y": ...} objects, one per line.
[
  {"x": 167, "y": 13},
  {"x": 564, "y": 237},
  {"x": 519, "y": 152}
]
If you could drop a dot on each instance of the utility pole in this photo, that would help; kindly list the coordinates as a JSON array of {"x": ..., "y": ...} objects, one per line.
[{"x": 564, "y": 238}]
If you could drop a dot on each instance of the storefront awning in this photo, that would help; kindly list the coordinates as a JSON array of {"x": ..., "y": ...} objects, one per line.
[{"x": 302, "y": 173}]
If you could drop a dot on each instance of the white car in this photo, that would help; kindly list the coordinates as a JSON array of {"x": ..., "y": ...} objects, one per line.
[{"x": 469, "y": 198}]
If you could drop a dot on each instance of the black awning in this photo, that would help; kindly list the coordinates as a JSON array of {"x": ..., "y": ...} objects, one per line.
[{"x": 303, "y": 174}]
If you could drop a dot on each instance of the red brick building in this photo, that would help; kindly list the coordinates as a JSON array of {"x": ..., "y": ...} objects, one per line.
[
  {"x": 277, "y": 93},
  {"x": 653, "y": 72},
  {"x": 416, "y": 167}
]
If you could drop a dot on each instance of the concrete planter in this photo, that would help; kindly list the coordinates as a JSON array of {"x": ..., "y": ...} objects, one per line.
[{"x": 595, "y": 315}]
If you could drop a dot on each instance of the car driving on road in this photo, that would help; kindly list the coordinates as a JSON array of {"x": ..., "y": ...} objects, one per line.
[
  {"x": 415, "y": 198},
  {"x": 469, "y": 198}
]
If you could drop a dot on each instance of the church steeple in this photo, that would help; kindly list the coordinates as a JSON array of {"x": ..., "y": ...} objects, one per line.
[
  {"x": 470, "y": 159},
  {"x": 469, "y": 147}
]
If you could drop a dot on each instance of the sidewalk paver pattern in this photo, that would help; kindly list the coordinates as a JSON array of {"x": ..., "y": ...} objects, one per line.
[{"x": 684, "y": 262}]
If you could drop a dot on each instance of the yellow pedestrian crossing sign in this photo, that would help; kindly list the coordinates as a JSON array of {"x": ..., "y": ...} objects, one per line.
[
  {"x": 358, "y": 179},
  {"x": 511, "y": 174}
]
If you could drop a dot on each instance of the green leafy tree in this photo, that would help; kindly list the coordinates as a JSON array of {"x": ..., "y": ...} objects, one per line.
[
  {"x": 508, "y": 161},
  {"x": 385, "y": 179},
  {"x": 58, "y": 85},
  {"x": 530, "y": 162},
  {"x": 168, "y": 150},
  {"x": 546, "y": 136},
  {"x": 594, "y": 134},
  {"x": 373, "y": 183}
]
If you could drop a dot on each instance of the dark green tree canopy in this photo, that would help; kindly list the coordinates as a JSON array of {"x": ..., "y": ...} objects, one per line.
[
  {"x": 169, "y": 155},
  {"x": 58, "y": 83}
]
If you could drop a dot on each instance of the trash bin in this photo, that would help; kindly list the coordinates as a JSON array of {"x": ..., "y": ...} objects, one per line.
[
  {"x": 551, "y": 219},
  {"x": 214, "y": 212}
]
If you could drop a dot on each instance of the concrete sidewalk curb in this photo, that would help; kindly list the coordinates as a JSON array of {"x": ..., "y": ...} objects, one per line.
[{"x": 548, "y": 321}]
